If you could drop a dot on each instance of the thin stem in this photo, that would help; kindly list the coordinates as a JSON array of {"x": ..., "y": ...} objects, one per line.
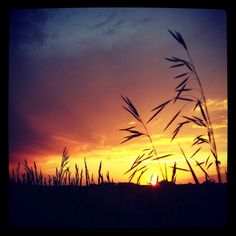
[
  {"x": 190, "y": 167},
  {"x": 154, "y": 149},
  {"x": 210, "y": 129}
]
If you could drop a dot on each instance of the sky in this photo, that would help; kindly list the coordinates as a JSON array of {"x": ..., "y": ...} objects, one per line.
[{"x": 69, "y": 67}]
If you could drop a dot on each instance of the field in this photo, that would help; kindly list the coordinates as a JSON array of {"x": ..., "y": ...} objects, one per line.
[{"x": 121, "y": 205}]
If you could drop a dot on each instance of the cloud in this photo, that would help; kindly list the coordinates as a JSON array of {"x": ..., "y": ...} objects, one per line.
[
  {"x": 111, "y": 24},
  {"x": 109, "y": 32},
  {"x": 24, "y": 137},
  {"x": 106, "y": 21},
  {"x": 217, "y": 104},
  {"x": 27, "y": 28},
  {"x": 144, "y": 20},
  {"x": 71, "y": 99},
  {"x": 218, "y": 113}
]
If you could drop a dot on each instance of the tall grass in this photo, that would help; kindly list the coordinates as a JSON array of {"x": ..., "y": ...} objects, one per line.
[
  {"x": 148, "y": 153},
  {"x": 190, "y": 167},
  {"x": 188, "y": 79},
  {"x": 184, "y": 93},
  {"x": 86, "y": 173},
  {"x": 62, "y": 171},
  {"x": 63, "y": 176},
  {"x": 100, "y": 176}
]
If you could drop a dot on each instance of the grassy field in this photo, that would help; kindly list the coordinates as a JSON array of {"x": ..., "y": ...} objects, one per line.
[{"x": 121, "y": 205}]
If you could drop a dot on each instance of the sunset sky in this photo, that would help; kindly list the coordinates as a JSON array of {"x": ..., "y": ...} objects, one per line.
[{"x": 68, "y": 68}]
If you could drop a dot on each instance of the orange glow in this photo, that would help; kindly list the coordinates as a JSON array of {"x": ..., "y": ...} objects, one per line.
[
  {"x": 66, "y": 92},
  {"x": 117, "y": 159},
  {"x": 153, "y": 182}
]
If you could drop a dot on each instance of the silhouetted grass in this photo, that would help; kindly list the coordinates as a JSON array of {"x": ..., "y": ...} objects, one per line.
[
  {"x": 134, "y": 133},
  {"x": 100, "y": 176},
  {"x": 120, "y": 205},
  {"x": 190, "y": 167},
  {"x": 183, "y": 94},
  {"x": 63, "y": 175}
]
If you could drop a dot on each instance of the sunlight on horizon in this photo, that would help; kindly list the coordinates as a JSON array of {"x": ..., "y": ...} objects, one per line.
[{"x": 68, "y": 70}]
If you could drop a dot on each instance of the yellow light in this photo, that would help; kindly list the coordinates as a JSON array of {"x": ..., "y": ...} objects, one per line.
[{"x": 153, "y": 183}]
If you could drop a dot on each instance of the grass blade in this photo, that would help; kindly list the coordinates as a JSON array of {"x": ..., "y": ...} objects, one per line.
[
  {"x": 176, "y": 131},
  {"x": 186, "y": 99},
  {"x": 173, "y": 35},
  {"x": 160, "y": 157},
  {"x": 182, "y": 83},
  {"x": 203, "y": 113},
  {"x": 159, "y": 109},
  {"x": 177, "y": 65},
  {"x": 209, "y": 165},
  {"x": 127, "y": 129},
  {"x": 181, "y": 75},
  {"x": 166, "y": 176},
  {"x": 207, "y": 160},
  {"x": 173, "y": 59},
  {"x": 182, "y": 169},
  {"x": 173, "y": 173},
  {"x": 195, "y": 152},
  {"x": 179, "y": 38},
  {"x": 133, "y": 174},
  {"x": 132, "y": 108},
  {"x": 178, "y": 94},
  {"x": 131, "y": 137},
  {"x": 155, "y": 114},
  {"x": 190, "y": 167},
  {"x": 172, "y": 119},
  {"x": 134, "y": 115},
  {"x": 200, "y": 165},
  {"x": 162, "y": 105},
  {"x": 138, "y": 180}
]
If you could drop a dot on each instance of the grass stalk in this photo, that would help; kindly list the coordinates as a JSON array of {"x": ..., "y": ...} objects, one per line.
[{"x": 209, "y": 123}]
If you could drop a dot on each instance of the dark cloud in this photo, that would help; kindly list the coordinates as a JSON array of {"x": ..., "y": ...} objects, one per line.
[
  {"x": 111, "y": 23},
  {"x": 71, "y": 96},
  {"x": 107, "y": 21},
  {"x": 118, "y": 19},
  {"x": 109, "y": 32},
  {"x": 113, "y": 28},
  {"x": 26, "y": 28},
  {"x": 144, "y": 20},
  {"x": 118, "y": 23},
  {"x": 24, "y": 137}
]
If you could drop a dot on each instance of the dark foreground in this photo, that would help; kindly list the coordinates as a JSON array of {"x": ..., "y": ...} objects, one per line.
[{"x": 118, "y": 206}]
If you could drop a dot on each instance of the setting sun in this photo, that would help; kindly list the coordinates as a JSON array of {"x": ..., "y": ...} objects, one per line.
[
  {"x": 65, "y": 86},
  {"x": 154, "y": 181}
]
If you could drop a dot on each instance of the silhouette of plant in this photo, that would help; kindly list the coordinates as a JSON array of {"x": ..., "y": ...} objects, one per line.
[
  {"x": 134, "y": 133},
  {"x": 183, "y": 94},
  {"x": 63, "y": 176},
  {"x": 62, "y": 171},
  {"x": 190, "y": 167},
  {"x": 187, "y": 77},
  {"x": 174, "y": 172},
  {"x": 76, "y": 180},
  {"x": 100, "y": 176},
  {"x": 87, "y": 179}
]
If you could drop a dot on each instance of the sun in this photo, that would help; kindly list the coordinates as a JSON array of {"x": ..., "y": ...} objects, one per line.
[{"x": 153, "y": 181}]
